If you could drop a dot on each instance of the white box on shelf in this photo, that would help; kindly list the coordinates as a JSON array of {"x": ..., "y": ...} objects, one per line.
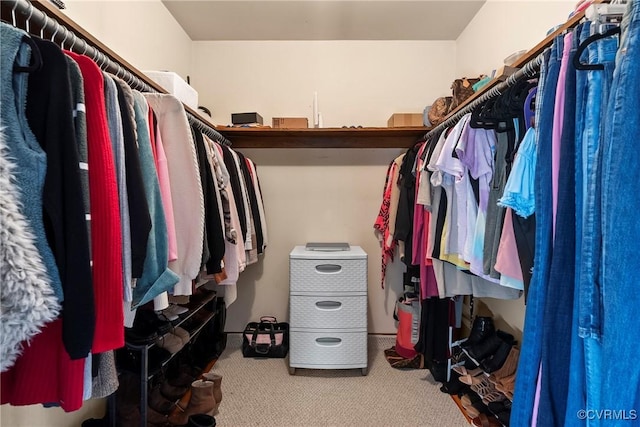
[{"x": 175, "y": 85}]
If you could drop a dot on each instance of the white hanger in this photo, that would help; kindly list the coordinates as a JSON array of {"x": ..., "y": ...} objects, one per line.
[
  {"x": 46, "y": 22},
  {"x": 13, "y": 14},
  {"x": 28, "y": 23},
  {"x": 66, "y": 35}
]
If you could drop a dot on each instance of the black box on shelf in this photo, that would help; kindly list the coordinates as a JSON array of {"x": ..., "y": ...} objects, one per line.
[{"x": 246, "y": 118}]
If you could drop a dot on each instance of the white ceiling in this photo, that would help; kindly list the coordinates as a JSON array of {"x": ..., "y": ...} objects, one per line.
[{"x": 323, "y": 20}]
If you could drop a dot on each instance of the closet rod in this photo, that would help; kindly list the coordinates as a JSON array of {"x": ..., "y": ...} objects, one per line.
[
  {"x": 67, "y": 39},
  {"x": 529, "y": 70}
]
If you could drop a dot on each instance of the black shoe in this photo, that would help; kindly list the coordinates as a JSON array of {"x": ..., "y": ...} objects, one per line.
[
  {"x": 454, "y": 386},
  {"x": 497, "y": 407},
  {"x": 497, "y": 359},
  {"x": 489, "y": 345},
  {"x": 149, "y": 320},
  {"x": 201, "y": 420},
  {"x": 482, "y": 328},
  {"x": 95, "y": 422},
  {"x": 504, "y": 417},
  {"x": 140, "y": 337}
]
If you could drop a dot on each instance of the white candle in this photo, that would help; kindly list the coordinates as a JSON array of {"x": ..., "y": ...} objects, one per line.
[{"x": 315, "y": 109}]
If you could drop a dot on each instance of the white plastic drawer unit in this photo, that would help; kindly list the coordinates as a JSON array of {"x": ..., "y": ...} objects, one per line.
[
  {"x": 312, "y": 272},
  {"x": 328, "y": 309},
  {"x": 328, "y": 349},
  {"x": 330, "y": 312}
]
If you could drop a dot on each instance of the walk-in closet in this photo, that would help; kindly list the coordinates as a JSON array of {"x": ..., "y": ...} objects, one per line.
[{"x": 306, "y": 213}]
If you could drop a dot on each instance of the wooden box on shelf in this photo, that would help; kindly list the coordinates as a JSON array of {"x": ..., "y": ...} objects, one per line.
[
  {"x": 398, "y": 120},
  {"x": 290, "y": 122}
]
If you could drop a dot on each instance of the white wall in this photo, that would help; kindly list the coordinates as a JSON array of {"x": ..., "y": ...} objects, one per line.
[
  {"x": 502, "y": 27},
  {"x": 316, "y": 195},
  {"x": 323, "y": 194},
  {"x": 142, "y": 32},
  {"x": 358, "y": 82},
  {"x": 495, "y": 32}
]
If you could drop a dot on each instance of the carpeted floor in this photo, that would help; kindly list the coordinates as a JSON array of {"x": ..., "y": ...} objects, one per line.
[{"x": 260, "y": 392}]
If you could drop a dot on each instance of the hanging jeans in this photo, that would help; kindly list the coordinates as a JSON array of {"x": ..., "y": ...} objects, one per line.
[
  {"x": 558, "y": 314},
  {"x": 529, "y": 363},
  {"x": 576, "y": 394},
  {"x": 588, "y": 321},
  {"x": 620, "y": 262}
]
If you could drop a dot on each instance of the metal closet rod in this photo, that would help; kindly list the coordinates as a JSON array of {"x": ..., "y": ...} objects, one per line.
[
  {"x": 529, "y": 70},
  {"x": 77, "y": 44}
]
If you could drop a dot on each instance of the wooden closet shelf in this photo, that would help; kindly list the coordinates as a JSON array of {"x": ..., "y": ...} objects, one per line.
[{"x": 323, "y": 137}]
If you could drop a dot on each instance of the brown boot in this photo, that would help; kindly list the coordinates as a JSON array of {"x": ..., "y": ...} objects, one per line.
[
  {"x": 201, "y": 402},
  {"x": 172, "y": 392},
  {"x": 508, "y": 367},
  {"x": 159, "y": 403},
  {"x": 217, "y": 384},
  {"x": 217, "y": 387}
]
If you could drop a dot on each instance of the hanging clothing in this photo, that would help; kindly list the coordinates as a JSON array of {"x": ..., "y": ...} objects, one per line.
[
  {"x": 116, "y": 132},
  {"x": 30, "y": 158},
  {"x": 106, "y": 238},
  {"x": 255, "y": 182},
  {"x": 620, "y": 229},
  {"x": 50, "y": 116},
  {"x": 404, "y": 220},
  {"x": 156, "y": 277},
  {"x": 28, "y": 301},
  {"x": 186, "y": 188},
  {"x": 214, "y": 223},
  {"x": 139, "y": 217}
]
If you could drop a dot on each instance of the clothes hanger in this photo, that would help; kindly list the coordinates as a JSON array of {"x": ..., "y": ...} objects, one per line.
[
  {"x": 529, "y": 108},
  {"x": 35, "y": 55},
  {"x": 46, "y": 22},
  {"x": 14, "y": 19},
  {"x": 66, "y": 35},
  {"x": 576, "y": 58},
  {"x": 28, "y": 22},
  {"x": 75, "y": 39},
  {"x": 481, "y": 116},
  {"x": 55, "y": 33}
]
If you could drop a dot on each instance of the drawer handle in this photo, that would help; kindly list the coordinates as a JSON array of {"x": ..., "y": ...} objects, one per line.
[
  {"x": 328, "y": 342},
  {"x": 329, "y": 305},
  {"x": 328, "y": 268}
]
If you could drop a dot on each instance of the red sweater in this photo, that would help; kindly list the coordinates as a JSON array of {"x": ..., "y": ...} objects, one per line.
[
  {"x": 44, "y": 372},
  {"x": 106, "y": 238}
]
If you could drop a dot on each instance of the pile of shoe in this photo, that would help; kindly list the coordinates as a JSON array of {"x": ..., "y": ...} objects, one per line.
[
  {"x": 204, "y": 399},
  {"x": 486, "y": 346},
  {"x": 184, "y": 400},
  {"x": 149, "y": 326},
  {"x": 174, "y": 340},
  {"x": 488, "y": 366},
  {"x": 172, "y": 313}
]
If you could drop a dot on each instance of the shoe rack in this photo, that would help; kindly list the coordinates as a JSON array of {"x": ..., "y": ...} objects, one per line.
[{"x": 197, "y": 313}]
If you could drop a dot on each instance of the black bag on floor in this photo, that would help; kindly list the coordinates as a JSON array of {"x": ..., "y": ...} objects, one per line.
[{"x": 267, "y": 338}]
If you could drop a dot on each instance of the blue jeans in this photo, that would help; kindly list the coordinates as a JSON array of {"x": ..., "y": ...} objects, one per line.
[
  {"x": 558, "y": 313},
  {"x": 589, "y": 284},
  {"x": 576, "y": 394},
  {"x": 620, "y": 225},
  {"x": 528, "y": 365}
]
